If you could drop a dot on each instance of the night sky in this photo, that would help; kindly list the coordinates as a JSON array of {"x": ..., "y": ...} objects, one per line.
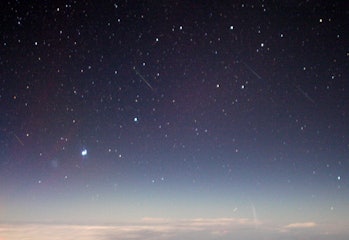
[{"x": 174, "y": 120}]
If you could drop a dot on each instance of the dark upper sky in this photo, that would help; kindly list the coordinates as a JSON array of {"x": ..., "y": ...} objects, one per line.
[{"x": 141, "y": 103}]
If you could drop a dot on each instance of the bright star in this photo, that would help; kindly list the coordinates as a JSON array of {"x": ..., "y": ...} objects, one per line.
[{"x": 84, "y": 152}]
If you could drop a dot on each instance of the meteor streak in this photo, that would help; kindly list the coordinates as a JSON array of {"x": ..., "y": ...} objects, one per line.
[
  {"x": 305, "y": 94},
  {"x": 251, "y": 70},
  {"x": 143, "y": 79},
  {"x": 18, "y": 139}
]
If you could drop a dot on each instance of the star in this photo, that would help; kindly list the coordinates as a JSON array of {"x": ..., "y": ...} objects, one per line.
[{"x": 84, "y": 152}]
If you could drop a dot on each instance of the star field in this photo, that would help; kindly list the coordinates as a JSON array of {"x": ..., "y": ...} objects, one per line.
[{"x": 150, "y": 114}]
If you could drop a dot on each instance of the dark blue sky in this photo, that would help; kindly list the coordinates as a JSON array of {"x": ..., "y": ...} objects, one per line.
[{"x": 121, "y": 111}]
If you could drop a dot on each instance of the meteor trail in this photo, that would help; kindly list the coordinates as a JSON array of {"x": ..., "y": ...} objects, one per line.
[
  {"x": 18, "y": 139},
  {"x": 143, "y": 79},
  {"x": 251, "y": 70},
  {"x": 305, "y": 94},
  {"x": 254, "y": 212}
]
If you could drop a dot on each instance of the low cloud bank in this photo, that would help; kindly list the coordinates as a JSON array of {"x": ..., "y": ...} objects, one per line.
[
  {"x": 301, "y": 225},
  {"x": 147, "y": 228},
  {"x": 159, "y": 229}
]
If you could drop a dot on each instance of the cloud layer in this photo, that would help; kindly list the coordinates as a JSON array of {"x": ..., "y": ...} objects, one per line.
[
  {"x": 162, "y": 229},
  {"x": 301, "y": 225}
]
